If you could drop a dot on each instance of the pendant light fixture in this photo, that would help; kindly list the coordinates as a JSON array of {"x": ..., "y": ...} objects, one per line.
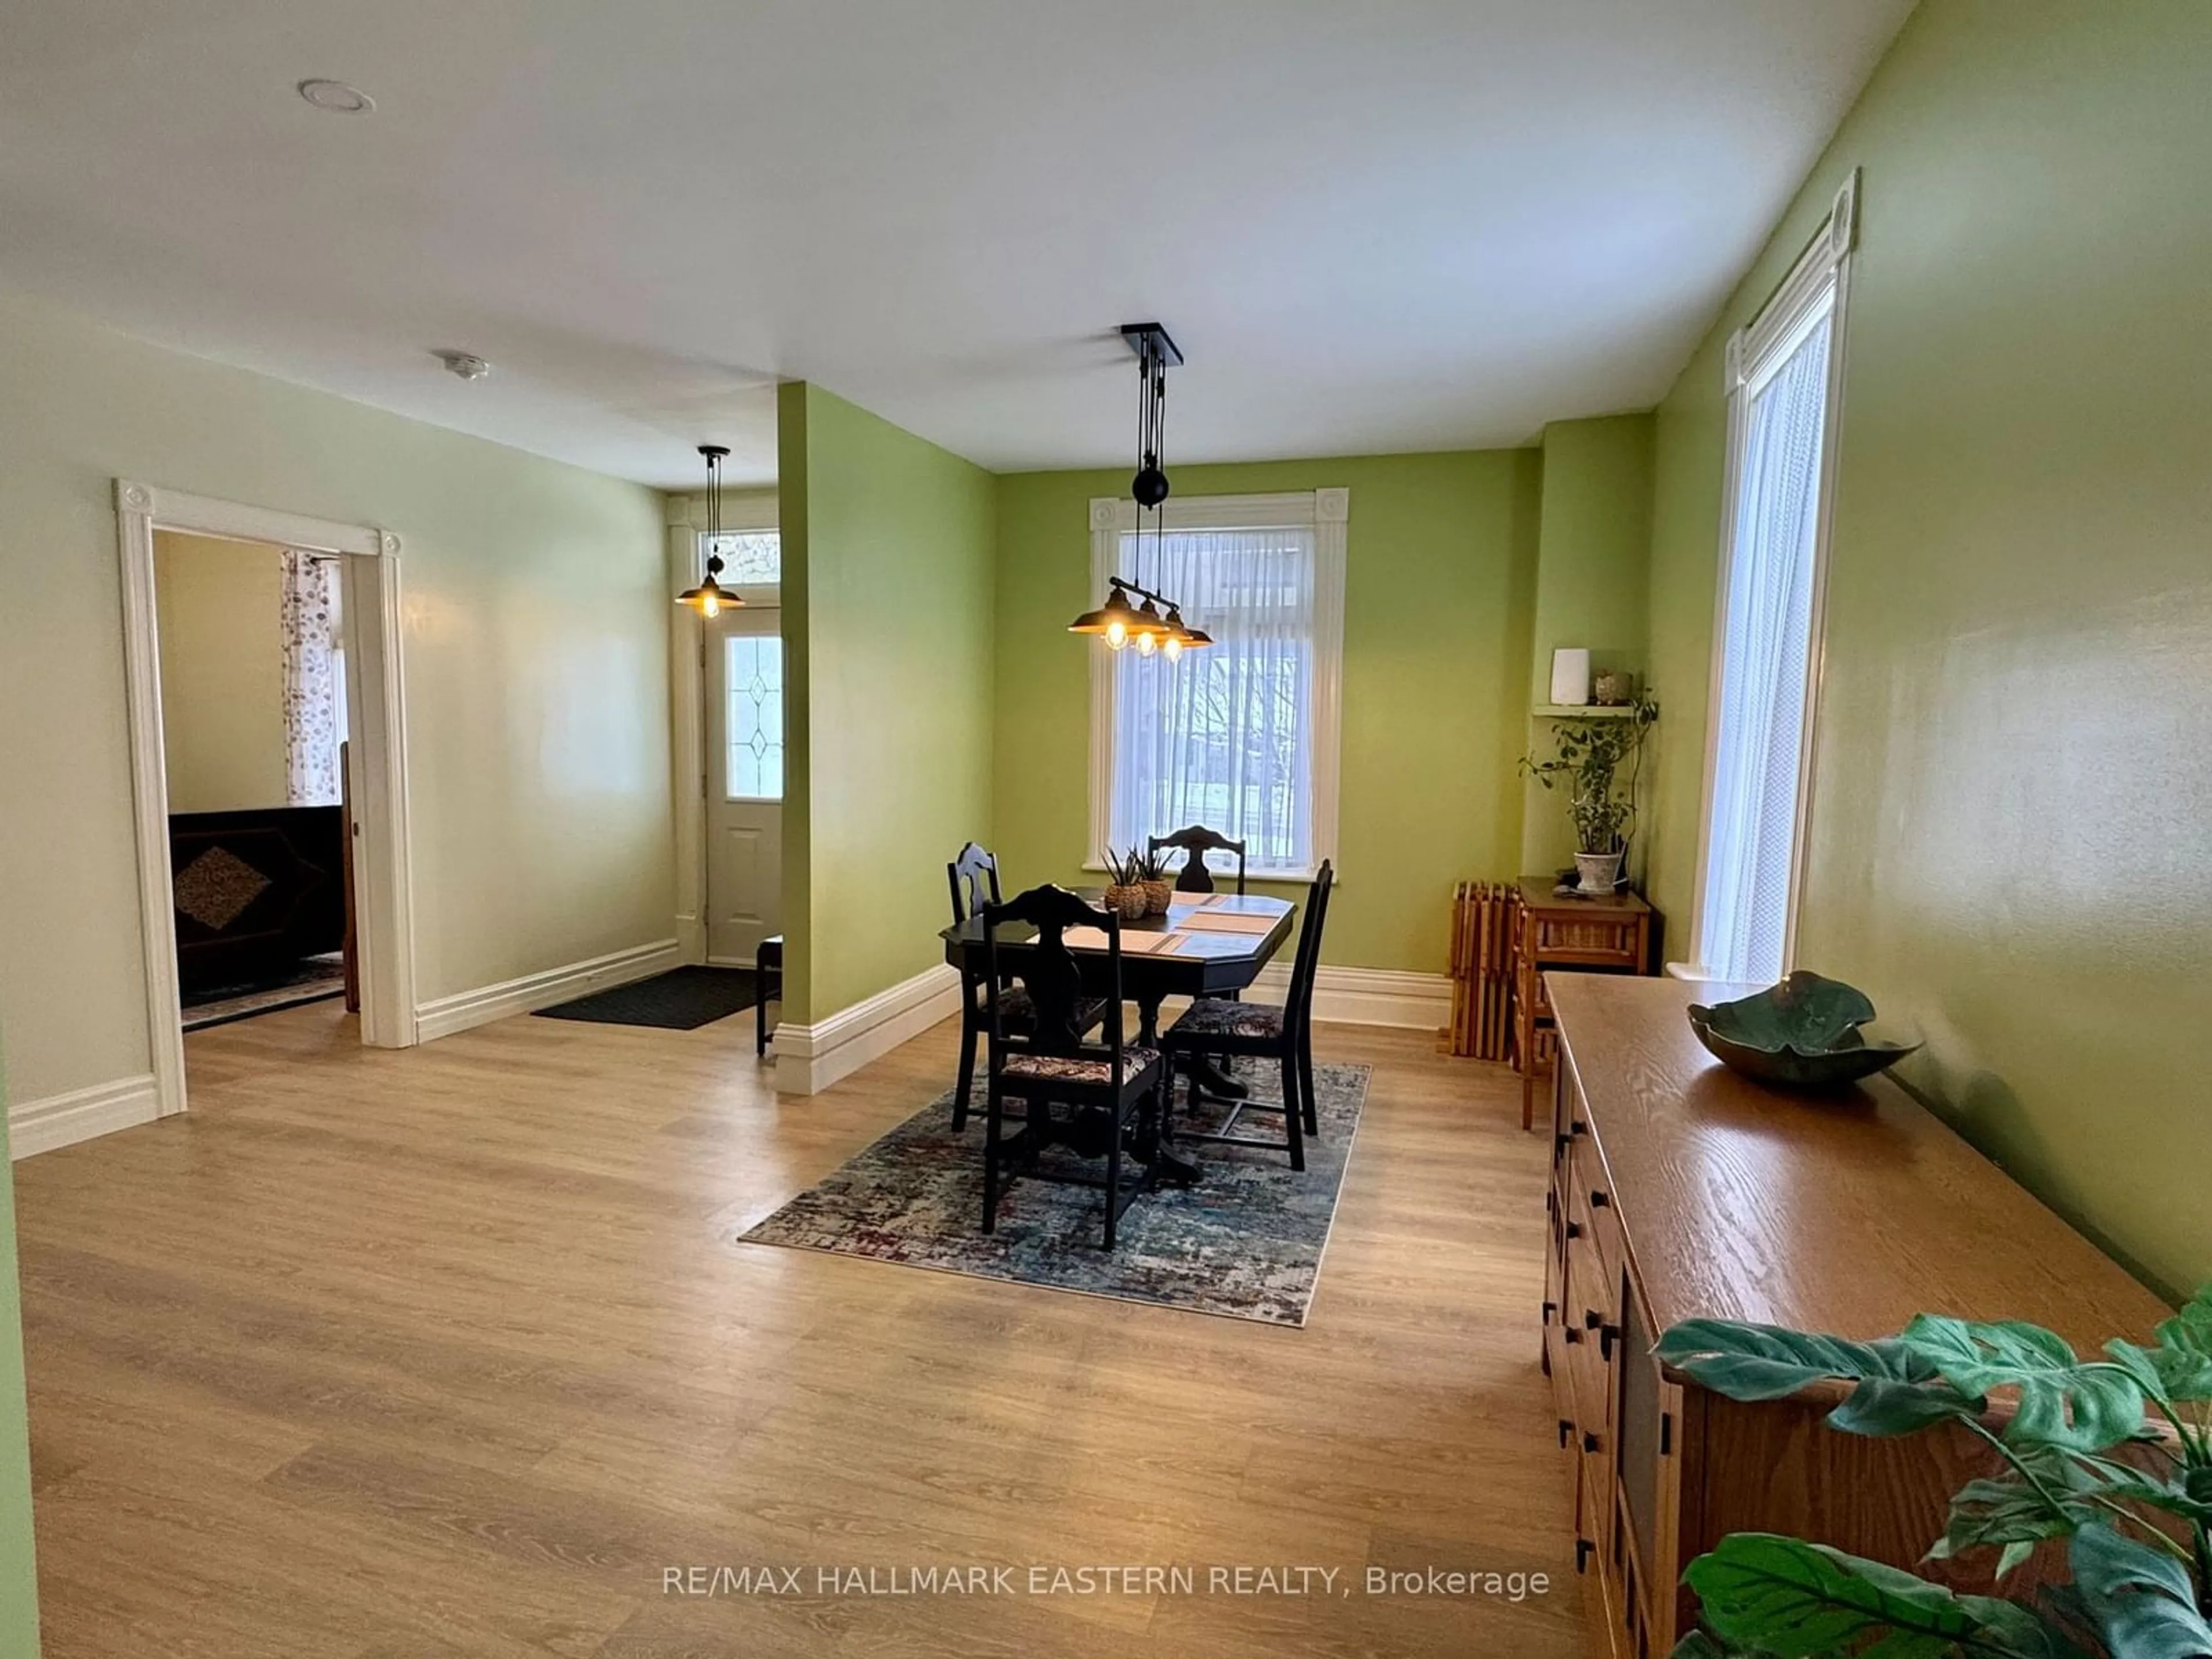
[
  {"x": 1156, "y": 624},
  {"x": 710, "y": 599}
]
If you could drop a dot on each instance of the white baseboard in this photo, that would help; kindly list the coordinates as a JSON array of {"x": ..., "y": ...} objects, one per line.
[
  {"x": 1366, "y": 996},
  {"x": 809, "y": 1058},
  {"x": 41, "y": 1125},
  {"x": 466, "y": 1009}
]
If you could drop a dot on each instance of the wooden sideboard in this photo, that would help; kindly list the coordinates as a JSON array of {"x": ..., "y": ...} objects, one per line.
[
  {"x": 1608, "y": 935},
  {"x": 1680, "y": 1190}
]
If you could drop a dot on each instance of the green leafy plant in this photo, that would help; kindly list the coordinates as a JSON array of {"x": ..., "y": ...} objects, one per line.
[
  {"x": 2113, "y": 1454},
  {"x": 1597, "y": 760},
  {"x": 1131, "y": 868}
]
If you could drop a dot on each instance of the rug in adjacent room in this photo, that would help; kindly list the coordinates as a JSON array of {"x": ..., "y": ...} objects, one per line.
[
  {"x": 313, "y": 979},
  {"x": 1244, "y": 1242},
  {"x": 681, "y": 999}
]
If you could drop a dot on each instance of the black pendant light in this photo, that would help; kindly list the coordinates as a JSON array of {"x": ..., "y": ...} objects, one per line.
[
  {"x": 1156, "y": 623},
  {"x": 710, "y": 599}
]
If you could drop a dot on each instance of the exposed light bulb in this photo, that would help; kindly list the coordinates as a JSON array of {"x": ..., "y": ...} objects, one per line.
[
  {"x": 1173, "y": 648},
  {"x": 1145, "y": 645},
  {"x": 1117, "y": 634},
  {"x": 709, "y": 605}
]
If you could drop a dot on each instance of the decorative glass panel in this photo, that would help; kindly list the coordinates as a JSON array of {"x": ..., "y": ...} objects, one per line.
[
  {"x": 750, "y": 558},
  {"x": 753, "y": 669}
]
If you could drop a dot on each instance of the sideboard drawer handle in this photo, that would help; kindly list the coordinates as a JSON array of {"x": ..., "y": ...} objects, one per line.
[{"x": 1600, "y": 1198}]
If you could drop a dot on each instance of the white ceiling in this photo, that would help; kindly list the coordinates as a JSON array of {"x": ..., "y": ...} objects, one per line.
[{"x": 1389, "y": 225}]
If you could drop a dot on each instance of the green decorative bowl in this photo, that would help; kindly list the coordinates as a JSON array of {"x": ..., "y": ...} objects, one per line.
[{"x": 1802, "y": 1034}]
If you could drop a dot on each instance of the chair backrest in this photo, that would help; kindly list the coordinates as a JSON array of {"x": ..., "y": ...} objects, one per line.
[
  {"x": 1298, "y": 1006},
  {"x": 1196, "y": 841},
  {"x": 1050, "y": 973},
  {"x": 973, "y": 877}
]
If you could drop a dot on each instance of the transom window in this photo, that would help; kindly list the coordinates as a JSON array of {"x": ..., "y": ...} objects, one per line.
[
  {"x": 750, "y": 557},
  {"x": 1240, "y": 737}
]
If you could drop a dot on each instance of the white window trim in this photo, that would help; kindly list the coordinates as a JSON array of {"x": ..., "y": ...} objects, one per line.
[
  {"x": 1328, "y": 513},
  {"x": 1820, "y": 279}
]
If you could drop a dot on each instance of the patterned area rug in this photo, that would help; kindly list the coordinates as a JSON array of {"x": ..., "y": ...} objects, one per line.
[
  {"x": 314, "y": 980},
  {"x": 1244, "y": 1242}
]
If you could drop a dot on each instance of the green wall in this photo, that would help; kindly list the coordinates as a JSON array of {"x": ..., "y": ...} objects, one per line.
[
  {"x": 888, "y": 571},
  {"x": 1592, "y": 560},
  {"x": 1439, "y": 589},
  {"x": 2013, "y": 774},
  {"x": 19, "y": 1578}
]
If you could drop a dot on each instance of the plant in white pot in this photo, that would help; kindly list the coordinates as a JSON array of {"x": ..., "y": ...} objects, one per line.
[{"x": 1597, "y": 759}]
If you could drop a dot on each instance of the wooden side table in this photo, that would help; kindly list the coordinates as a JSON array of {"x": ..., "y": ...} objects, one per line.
[{"x": 1609, "y": 935}]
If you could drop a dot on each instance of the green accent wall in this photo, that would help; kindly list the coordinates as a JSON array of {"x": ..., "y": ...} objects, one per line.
[
  {"x": 888, "y": 570},
  {"x": 2013, "y": 774},
  {"x": 1439, "y": 595},
  {"x": 1592, "y": 588},
  {"x": 19, "y": 1577}
]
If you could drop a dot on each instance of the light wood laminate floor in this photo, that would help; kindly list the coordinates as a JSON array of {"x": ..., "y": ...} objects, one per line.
[{"x": 449, "y": 1351}]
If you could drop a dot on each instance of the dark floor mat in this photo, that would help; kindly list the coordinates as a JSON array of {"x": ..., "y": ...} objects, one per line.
[{"x": 681, "y": 999}]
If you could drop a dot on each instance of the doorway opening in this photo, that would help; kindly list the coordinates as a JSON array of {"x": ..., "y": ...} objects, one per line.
[
  {"x": 253, "y": 736},
  {"x": 268, "y": 765},
  {"x": 730, "y": 716}
]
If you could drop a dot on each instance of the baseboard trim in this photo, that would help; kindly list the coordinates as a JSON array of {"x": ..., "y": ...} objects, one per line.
[
  {"x": 809, "y": 1058},
  {"x": 57, "y": 1121},
  {"x": 1366, "y": 996},
  {"x": 468, "y": 1009}
]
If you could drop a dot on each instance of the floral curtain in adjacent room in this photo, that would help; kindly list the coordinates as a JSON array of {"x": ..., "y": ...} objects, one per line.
[{"x": 314, "y": 678}]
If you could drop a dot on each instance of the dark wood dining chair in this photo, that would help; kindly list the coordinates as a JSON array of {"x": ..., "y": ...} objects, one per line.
[
  {"x": 1085, "y": 1096},
  {"x": 974, "y": 878},
  {"x": 1196, "y": 841},
  {"x": 1214, "y": 1025}
]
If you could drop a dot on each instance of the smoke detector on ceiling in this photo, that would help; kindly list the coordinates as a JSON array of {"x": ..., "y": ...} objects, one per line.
[
  {"x": 467, "y": 365},
  {"x": 336, "y": 97}
]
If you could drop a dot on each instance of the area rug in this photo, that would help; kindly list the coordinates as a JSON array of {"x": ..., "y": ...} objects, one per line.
[
  {"x": 314, "y": 979},
  {"x": 681, "y": 999},
  {"x": 1244, "y": 1242}
]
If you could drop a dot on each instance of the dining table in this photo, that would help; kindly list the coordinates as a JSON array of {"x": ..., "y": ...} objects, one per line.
[{"x": 1207, "y": 945}]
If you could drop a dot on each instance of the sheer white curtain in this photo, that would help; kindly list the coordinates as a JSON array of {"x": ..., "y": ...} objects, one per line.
[
  {"x": 1751, "y": 848},
  {"x": 314, "y": 678},
  {"x": 1222, "y": 737}
]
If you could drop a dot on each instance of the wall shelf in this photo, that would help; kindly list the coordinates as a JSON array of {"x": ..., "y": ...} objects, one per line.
[{"x": 1571, "y": 711}]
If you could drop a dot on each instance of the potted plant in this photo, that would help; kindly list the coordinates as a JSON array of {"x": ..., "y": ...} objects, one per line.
[
  {"x": 2112, "y": 1454},
  {"x": 1124, "y": 885},
  {"x": 1158, "y": 884},
  {"x": 1597, "y": 759}
]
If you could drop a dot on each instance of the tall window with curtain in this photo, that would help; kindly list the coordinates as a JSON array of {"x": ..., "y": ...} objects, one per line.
[
  {"x": 1784, "y": 378},
  {"x": 1241, "y": 736},
  {"x": 314, "y": 678}
]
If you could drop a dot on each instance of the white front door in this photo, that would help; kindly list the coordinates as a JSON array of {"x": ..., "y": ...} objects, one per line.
[{"x": 744, "y": 782}]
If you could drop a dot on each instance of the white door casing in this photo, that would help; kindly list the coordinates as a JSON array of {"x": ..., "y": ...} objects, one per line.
[{"x": 377, "y": 755}]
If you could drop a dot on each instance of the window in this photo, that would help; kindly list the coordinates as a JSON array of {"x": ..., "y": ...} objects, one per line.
[
  {"x": 750, "y": 558},
  {"x": 752, "y": 669},
  {"x": 1783, "y": 384},
  {"x": 1241, "y": 736}
]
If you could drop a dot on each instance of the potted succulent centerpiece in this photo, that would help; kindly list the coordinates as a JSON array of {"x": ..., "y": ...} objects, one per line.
[
  {"x": 1597, "y": 759},
  {"x": 1158, "y": 884},
  {"x": 1126, "y": 874}
]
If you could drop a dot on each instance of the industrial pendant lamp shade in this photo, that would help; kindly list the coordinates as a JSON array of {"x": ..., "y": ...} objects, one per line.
[
  {"x": 1156, "y": 625},
  {"x": 710, "y": 599}
]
